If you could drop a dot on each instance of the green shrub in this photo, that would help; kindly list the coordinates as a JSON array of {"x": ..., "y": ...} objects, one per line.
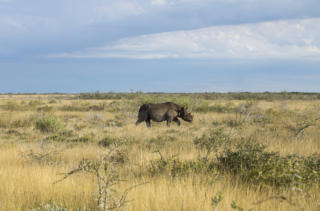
[
  {"x": 61, "y": 136},
  {"x": 81, "y": 108},
  {"x": 235, "y": 206},
  {"x": 123, "y": 106},
  {"x": 13, "y": 105},
  {"x": 52, "y": 101},
  {"x": 147, "y": 99},
  {"x": 14, "y": 132},
  {"x": 108, "y": 141},
  {"x": 213, "y": 142},
  {"x": 76, "y": 106},
  {"x": 115, "y": 141},
  {"x": 35, "y": 103},
  {"x": 21, "y": 123},
  {"x": 216, "y": 200},
  {"x": 255, "y": 165},
  {"x": 175, "y": 167},
  {"x": 185, "y": 101},
  {"x": 48, "y": 124},
  {"x": 69, "y": 137}
]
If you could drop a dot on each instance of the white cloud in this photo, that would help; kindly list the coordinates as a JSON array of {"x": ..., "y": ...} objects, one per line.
[
  {"x": 158, "y": 2},
  {"x": 117, "y": 10},
  {"x": 282, "y": 40},
  {"x": 11, "y": 23},
  {"x": 25, "y": 25}
]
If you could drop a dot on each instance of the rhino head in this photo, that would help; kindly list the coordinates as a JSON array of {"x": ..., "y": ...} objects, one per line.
[{"x": 185, "y": 115}]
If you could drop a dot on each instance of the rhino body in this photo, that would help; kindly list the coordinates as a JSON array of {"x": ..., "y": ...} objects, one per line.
[{"x": 162, "y": 112}]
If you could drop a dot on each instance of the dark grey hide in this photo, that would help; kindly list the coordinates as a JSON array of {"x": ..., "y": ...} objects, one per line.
[{"x": 163, "y": 112}]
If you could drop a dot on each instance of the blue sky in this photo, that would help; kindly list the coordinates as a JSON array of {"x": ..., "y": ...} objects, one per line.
[{"x": 159, "y": 45}]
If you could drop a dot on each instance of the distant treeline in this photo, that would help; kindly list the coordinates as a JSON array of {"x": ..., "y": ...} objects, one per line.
[
  {"x": 206, "y": 95},
  {"x": 203, "y": 95}
]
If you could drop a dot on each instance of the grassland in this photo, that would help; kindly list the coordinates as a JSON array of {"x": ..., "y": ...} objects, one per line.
[{"x": 215, "y": 163}]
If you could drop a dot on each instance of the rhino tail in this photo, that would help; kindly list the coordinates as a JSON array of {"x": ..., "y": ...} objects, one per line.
[{"x": 143, "y": 113}]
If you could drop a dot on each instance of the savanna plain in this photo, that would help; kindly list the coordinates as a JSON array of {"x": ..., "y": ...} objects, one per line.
[{"x": 243, "y": 151}]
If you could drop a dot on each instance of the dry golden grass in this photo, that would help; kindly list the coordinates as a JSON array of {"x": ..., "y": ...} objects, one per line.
[{"x": 25, "y": 183}]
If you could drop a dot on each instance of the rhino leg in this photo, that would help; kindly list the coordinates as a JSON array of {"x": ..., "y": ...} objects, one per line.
[
  {"x": 177, "y": 121},
  {"x": 148, "y": 123},
  {"x": 168, "y": 122}
]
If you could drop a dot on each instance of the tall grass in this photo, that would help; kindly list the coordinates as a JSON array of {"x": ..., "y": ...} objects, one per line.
[{"x": 168, "y": 160}]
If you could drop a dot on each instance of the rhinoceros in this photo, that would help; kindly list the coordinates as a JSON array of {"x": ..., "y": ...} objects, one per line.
[{"x": 163, "y": 111}]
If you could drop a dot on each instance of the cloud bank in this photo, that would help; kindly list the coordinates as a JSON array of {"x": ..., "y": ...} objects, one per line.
[
  {"x": 37, "y": 27},
  {"x": 288, "y": 39}
]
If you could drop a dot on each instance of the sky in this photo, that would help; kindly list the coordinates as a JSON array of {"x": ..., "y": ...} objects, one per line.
[{"x": 74, "y": 46}]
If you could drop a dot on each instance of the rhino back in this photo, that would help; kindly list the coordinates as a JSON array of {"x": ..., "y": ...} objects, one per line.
[
  {"x": 167, "y": 105},
  {"x": 161, "y": 111}
]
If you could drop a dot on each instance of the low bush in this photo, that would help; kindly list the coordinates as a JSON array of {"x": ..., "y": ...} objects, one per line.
[
  {"x": 255, "y": 165},
  {"x": 14, "y": 132},
  {"x": 75, "y": 108},
  {"x": 48, "y": 124},
  {"x": 13, "y": 105},
  {"x": 35, "y": 103},
  {"x": 115, "y": 141},
  {"x": 108, "y": 141},
  {"x": 106, "y": 171},
  {"x": 123, "y": 106},
  {"x": 175, "y": 167},
  {"x": 22, "y": 123},
  {"x": 62, "y": 136},
  {"x": 213, "y": 142},
  {"x": 52, "y": 101},
  {"x": 70, "y": 136}
]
